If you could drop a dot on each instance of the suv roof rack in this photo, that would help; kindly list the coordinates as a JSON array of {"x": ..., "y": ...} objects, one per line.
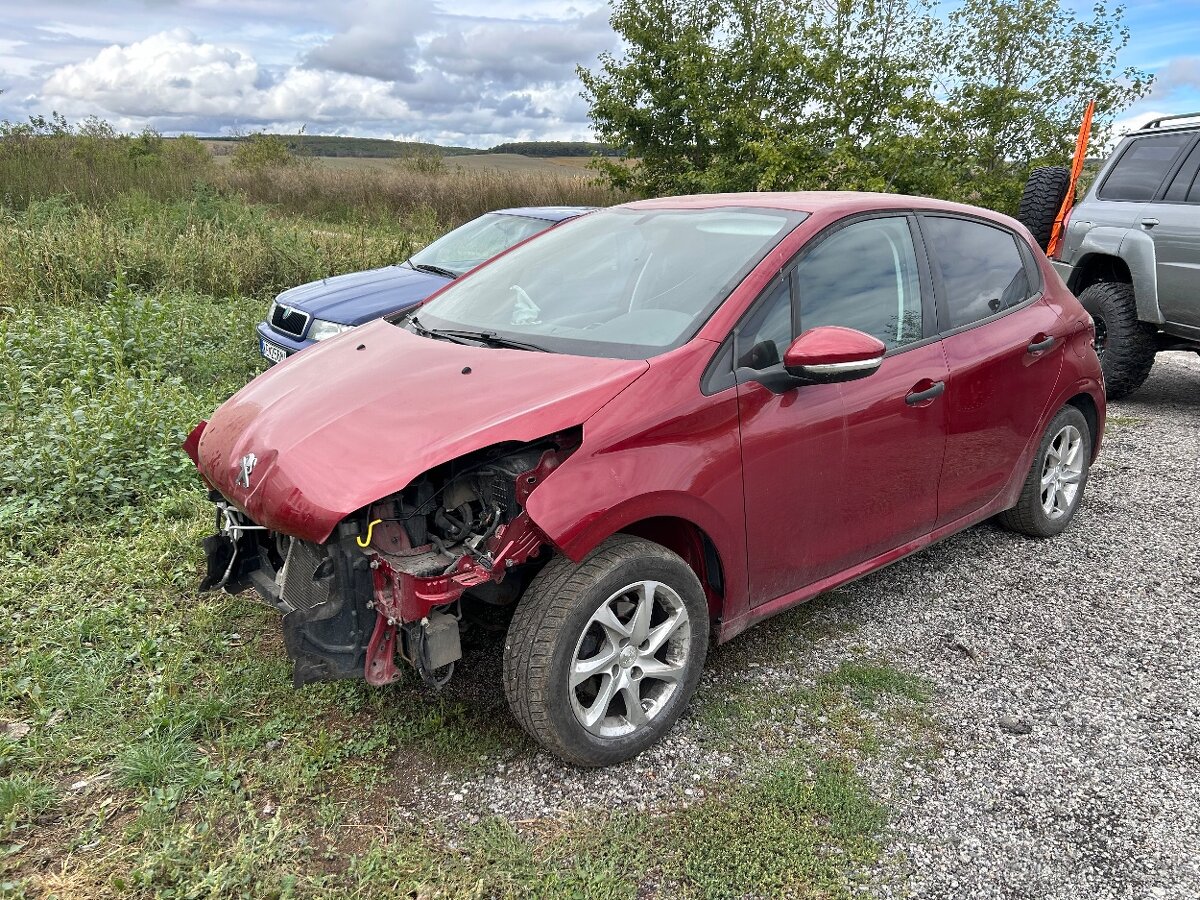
[{"x": 1158, "y": 123}]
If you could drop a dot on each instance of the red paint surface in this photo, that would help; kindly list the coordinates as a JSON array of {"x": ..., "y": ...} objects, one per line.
[
  {"x": 832, "y": 344},
  {"x": 335, "y": 428},
  {"x": 797, "y": 491}
]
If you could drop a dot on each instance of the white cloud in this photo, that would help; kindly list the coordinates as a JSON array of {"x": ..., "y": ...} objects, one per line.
[{"x": 175, "y": 74}]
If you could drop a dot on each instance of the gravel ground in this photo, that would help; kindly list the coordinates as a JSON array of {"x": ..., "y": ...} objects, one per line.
[{"x": 1066, "y": 704}]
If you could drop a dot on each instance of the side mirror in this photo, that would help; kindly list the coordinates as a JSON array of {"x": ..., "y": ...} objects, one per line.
[{"x": 831, "y": 353}]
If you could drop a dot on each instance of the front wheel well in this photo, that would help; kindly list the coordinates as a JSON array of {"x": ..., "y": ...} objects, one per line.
[{"x": 697, "y": 549}]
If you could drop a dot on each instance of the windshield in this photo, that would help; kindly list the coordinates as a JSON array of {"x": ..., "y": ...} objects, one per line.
[
  {"x": 478, "y": 241},
  {"x": 624, "y": 283}
]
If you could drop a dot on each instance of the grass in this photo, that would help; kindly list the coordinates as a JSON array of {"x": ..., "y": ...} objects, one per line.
[{"x": 162, "y": 751}]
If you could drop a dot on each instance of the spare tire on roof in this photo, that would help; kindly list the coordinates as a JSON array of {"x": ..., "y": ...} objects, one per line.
[{"x": 1041, "y": 200}]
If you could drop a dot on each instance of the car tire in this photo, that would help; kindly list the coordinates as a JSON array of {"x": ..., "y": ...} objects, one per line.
[
  {"x": 588, "y": 613},
  {"x": 1125, "y": 346},
  {"x": 1053, "y": 488},
  {"x": 1042, "y": 199}
]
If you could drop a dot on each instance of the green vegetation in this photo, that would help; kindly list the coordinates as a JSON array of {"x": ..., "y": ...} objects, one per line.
[
  {"x": 150, "y": 742},
  {"x": 89, "y": 165},
  {"x": 554, "y": 148},
  {"x": 339, "y": 145},
  {"x": 952, "y": 100}
]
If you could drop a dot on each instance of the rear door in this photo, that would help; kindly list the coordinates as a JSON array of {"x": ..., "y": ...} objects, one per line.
[
  {"x": 1173, "y": 222},
  {"x": 1003, "y": 345}
]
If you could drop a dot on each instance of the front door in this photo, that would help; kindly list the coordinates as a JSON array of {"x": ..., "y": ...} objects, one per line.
[{"x": 837, "y": 474}]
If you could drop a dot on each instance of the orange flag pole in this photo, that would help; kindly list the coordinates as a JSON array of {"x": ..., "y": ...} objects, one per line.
[{"x": 1081, "y": 143}]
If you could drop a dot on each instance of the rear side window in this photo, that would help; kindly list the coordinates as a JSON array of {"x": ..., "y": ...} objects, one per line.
[
  {"x": 1185, "y": 186},
  {"x": 1142, "y": 167},
  {"x": 982, "y": 269}
]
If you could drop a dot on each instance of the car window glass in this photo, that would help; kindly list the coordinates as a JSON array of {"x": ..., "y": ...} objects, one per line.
[
  {"x": 478, "y": 241},
  {"x": 765, "y": 335},
  {"x": 1142, "y": 167},
  {"x": 625, "y": 282},
  {"x": 981, "y": 267},
  {"x": 1182, "y": 184},
  {"x": 864, "y": 276}
]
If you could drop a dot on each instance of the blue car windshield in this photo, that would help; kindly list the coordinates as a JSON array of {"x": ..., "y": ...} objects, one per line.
[
  {"x": 622, "y": 283},
  {"x": 478, "y": 241}
]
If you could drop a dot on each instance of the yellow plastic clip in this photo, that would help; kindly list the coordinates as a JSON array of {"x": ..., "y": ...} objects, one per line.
[{"x": 370, "y": 530}]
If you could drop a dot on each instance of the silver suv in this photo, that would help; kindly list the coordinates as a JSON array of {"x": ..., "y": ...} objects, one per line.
[{"x": 1131, "y": 249}]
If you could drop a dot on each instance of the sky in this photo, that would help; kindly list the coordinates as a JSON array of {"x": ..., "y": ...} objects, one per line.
[{"x": 465, "y": 72}]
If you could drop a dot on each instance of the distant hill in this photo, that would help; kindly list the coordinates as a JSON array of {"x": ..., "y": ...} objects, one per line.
[
  {"x": 554, "y": 148},
  {"x": 329, "y": 145},
  {"x": 381, "y": 148}
]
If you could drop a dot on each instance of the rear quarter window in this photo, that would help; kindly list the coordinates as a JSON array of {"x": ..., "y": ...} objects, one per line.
[
  {"x": 1142, "y": 166},
  {"x": 982, "y": 269}
]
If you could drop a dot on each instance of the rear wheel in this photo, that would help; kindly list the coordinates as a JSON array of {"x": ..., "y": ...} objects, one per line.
[
  {"x": 602, "y": 657},
  {"x": 1042, "y": 199},
  {"x": 1054, "y": 487},
  {"x": 1125, "y": 346}
]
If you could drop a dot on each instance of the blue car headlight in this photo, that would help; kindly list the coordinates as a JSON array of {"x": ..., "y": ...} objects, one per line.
[{"x": 319, "y": 330}]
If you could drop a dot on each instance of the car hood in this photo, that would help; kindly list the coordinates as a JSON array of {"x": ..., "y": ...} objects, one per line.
[
  {"x": 359, "y": 416},
  {"x": 358, "y": 297}
]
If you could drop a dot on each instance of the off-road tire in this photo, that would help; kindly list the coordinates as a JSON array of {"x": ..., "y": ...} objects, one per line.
[
  {"x": 1028, "y": 517},
  {"x": 1042, "y": 199},
  {"x": 546, "y": 627},
  {"x": 1129, "y": 345}
]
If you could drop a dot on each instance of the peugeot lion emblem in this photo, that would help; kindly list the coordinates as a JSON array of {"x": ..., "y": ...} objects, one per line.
[{"x": 248, "y": 463}]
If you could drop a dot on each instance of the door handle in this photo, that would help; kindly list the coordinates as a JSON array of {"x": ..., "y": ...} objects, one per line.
[
  {"x": 1149, "y": 223},
  {"x": 1041, "y": 342},
  {"x": 934, "y": 390}
]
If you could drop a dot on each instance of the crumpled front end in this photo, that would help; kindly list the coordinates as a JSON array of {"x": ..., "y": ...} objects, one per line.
[{"x": 391, "y": 580}]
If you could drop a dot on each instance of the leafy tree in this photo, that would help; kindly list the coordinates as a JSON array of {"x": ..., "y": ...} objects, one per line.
[
  {"x": 1017, "y": 76},
  {"x": 262, "y": 151},
  {"x": 854, "y": 94}
]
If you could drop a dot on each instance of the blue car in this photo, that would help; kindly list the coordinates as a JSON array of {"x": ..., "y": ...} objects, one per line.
[{"x": 301, "y": 316}]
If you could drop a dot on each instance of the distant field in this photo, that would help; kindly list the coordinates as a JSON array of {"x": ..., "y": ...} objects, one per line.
[{"x": 500, "y": 162}]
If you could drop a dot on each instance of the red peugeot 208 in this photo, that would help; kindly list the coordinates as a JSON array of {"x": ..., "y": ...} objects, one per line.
[{"x": 649, "y": 427}]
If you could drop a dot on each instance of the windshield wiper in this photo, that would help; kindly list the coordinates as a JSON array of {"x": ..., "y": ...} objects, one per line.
[
  {"x": 483, "y": 337},
  {"x": 435, "y": 270}
]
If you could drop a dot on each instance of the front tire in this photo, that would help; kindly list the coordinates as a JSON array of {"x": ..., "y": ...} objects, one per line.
[
  {"x": 602, "y": 657},
  {"x": 1125, "y": 346},
  {"x": 1054, "y": 487}
]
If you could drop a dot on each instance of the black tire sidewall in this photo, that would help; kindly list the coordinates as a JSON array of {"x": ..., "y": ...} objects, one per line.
[{"x": 581, "y": 743}]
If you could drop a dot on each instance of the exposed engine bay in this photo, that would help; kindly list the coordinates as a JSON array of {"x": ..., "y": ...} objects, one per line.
[{"x": 393, "y": 578}]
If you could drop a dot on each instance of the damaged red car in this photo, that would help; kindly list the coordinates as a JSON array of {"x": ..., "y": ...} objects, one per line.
[{"x": 645, "y": 431}]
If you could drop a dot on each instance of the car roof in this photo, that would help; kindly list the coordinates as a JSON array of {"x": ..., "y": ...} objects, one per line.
[
  {"x": 838, "y": 202},
  {"x": 550, "y": 213}
]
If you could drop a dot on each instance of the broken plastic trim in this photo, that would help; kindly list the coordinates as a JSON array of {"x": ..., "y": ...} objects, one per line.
[{"x": 401, "y": 597}]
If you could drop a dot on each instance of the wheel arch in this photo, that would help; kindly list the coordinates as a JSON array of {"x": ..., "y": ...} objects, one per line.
[
  {"x": 691, "y": 543},
  {"x": 1086, "y": 404},
  {"x": 1119, "y": 255}
]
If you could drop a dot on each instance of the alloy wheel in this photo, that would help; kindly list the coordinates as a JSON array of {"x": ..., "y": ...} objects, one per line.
[
  {"x": 1062, "y": 472},
  {"x": 630, "y": 659}
]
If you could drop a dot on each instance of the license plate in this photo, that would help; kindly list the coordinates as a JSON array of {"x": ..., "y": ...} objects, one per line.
[{"x": 273, "y": 352}]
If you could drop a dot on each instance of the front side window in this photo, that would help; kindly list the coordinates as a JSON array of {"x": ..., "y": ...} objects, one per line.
[
  {"x": 621, "y": 282},
  {"x": 479, "y": 240},
  {"x": 982, "y": 270},
  {"x": 766, "y": 333},
  {"x": 864, "y": 276},
  {"x": 1142, "y": 167}
]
